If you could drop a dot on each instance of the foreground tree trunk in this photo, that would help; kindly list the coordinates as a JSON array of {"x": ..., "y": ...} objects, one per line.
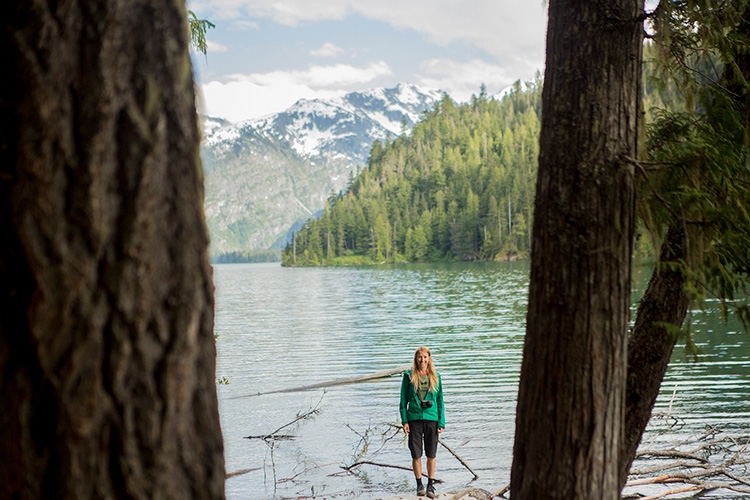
[
  {"x": 106, "y": 302},
  {"x": 570, "y": 415}
]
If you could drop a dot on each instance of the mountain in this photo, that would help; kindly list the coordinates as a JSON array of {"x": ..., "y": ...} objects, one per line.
[
  {"x": 459, "y": 187},
  {"x": 264, "y": 175}
]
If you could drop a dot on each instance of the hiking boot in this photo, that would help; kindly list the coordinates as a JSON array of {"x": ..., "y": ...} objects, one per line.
[
  {"x": 430, "y": 491},
  {"x": 421, "y": 491}
]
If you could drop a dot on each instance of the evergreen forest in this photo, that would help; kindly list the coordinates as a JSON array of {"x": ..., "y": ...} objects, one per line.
[{"x": 459, "y": 187}]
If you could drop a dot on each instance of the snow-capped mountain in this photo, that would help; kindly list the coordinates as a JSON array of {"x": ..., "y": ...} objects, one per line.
[{"x": 264, "y": 175}]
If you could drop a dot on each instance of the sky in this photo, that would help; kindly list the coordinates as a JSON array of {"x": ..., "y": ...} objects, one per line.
[{"x": 265, "y": 55}]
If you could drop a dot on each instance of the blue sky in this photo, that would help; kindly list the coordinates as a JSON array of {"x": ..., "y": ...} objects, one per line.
[{"x": 264, "y": 55}]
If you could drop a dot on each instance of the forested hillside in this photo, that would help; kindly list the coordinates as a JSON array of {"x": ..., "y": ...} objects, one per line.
[{"x": 460, "y": 187}]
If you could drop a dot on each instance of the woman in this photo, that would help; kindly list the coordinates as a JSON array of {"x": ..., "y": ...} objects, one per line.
[{"x": 422, "y": 415}]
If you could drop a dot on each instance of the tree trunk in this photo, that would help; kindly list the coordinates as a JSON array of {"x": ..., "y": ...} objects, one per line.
[
  {"x": 570, "y": 415},
  {"x": 107, "y": 355},
  {"x": 650, "y": 345}
]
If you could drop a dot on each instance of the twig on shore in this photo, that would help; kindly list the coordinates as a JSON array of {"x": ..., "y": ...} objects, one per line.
[
  {"x": 502, "y": 492},
  {"x": 671, "y": 454},
  {"x": 672, "y": 492},
  {"x": 721, "y": 458}
]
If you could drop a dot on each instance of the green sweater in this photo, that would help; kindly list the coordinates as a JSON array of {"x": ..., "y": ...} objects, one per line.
[{"x": 410, "y": 409}]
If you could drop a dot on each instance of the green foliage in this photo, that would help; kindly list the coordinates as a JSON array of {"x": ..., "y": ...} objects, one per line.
[
  {"x": 198, "y": 29},
  {"x": 698, "y": 171},
  {"x": 460, "y": 187}
]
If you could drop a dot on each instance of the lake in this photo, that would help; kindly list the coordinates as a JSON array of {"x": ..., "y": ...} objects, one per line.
[{"x": 281, "y": 328}]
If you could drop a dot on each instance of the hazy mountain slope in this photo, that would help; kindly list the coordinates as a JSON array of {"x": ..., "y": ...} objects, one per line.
[{"x": 264, "y": 175}]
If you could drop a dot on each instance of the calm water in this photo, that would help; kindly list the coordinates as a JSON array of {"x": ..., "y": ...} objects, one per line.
[{"x": 280, "y": 328}]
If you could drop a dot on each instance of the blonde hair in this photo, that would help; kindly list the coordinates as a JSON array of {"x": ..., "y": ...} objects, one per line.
[{"x": 431, "y": 373}]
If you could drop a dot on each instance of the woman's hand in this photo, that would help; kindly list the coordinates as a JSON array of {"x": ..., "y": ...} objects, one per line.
[
  {"x": 440, "y": 430},
  {"x": 406, "y": 428}
]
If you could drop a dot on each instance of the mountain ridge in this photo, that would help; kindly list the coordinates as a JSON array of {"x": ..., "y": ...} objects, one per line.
[{"x": 266, "y": 174}]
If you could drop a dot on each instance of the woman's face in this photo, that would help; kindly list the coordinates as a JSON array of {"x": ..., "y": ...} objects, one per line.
[{"x": 423, "y": 359}]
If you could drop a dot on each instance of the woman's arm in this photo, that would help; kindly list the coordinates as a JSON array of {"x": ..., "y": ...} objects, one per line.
[{"x": 405, "y": 384}]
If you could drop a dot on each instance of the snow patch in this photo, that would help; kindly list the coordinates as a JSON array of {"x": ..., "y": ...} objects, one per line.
[
  {"x": 222, "y": 135},
  {"x": 379, "y": 117},
  {"x": 309, "y": 143}
]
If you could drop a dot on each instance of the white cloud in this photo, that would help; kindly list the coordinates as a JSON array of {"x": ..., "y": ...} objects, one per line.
[
  {"x": 290, "y": 13},
  {"x": 243, "y": 97},
  {"x": 243, "y": 100},
  {"x": 510, "y": 30},
  {"x": 242, "y": 25},
  {"x": 503, "y": 40},
  {"x": 328, "y": 49},
  {"x": 462, "y": 79},
  {"x": 215, "y": 46},
  {"x": 333, "y": 76}
]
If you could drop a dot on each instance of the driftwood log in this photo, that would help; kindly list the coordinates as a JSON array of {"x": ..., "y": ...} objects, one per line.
[{"x": 711, "y": 465}]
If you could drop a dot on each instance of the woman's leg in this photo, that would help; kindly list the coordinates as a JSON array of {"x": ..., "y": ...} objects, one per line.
[
  {"x": 430, "y": 468},
  {"x": 416, "y": 465},
  {"x": 415, "y": 447}
]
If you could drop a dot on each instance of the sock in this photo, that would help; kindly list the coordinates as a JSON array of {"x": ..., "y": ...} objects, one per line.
[
  {"x": 430, "y": 481},
  {"x": 419, "y": 482}
]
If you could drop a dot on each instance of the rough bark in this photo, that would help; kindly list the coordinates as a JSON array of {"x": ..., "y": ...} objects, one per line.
[
  {"x": 570, "y": 413},
  {"x": 650, "y": 344},
  {"x": 107, "y": 355}
]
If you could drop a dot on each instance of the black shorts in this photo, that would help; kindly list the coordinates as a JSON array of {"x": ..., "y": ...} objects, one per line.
[{"x": 419, "y": 430}]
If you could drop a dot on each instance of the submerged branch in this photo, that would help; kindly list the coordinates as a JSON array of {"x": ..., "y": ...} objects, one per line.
[
  {"x": 304, "y": 416},
  {"x": 341, "y": 381},
  {"x": 241, "y": 471},
  {"x": 377, "y": 464},
  {"x": 458, "y": 458},
  {"x": 463, "y": 462}
]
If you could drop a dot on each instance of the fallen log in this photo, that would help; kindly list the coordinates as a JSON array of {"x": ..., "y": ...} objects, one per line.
[
  {"x": 341, "y": 381},
  {"x": 367, "y": 462}
]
